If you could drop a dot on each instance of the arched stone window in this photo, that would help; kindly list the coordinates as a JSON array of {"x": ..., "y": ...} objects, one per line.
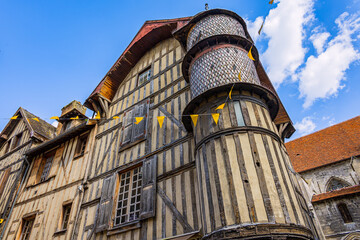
[
  {"x": 344, "y": 212},
  {"x": 336, "y": 183}
]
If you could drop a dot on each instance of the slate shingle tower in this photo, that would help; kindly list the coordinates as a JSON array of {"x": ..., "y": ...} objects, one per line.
[{"x": 247, "y": 189}]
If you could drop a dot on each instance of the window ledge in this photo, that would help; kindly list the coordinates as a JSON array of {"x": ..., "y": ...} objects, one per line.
[
  {"x": 78, "y": 156},
  {"x": 124, "y": 227},
  {"x": 36, "y": 184},
  {"x": 130, "y": 144},
  {"x": 60, "y": 232}
]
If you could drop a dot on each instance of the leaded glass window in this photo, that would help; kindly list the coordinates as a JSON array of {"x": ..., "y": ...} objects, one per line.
[
  {"x": 144, "y": 76},
  {"x": 47, "y": 167},
  {"x": 128, "y": 203},
  {"x": 335, "y": 184}
]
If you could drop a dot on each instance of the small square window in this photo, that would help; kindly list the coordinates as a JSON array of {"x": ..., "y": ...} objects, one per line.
[
  {"x": 65, "y": 216},
  {"x": 27, "y": 226},
  {"x": 144, "y": 76}
]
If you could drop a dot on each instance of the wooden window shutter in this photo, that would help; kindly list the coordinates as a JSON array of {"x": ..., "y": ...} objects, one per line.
[
  {"x": 4, "y": 179},
  {"x": 106, "y": 201},
  {"x": 139, "y": 130},
  {"x": 34, "y": 171},
  {"x": 148, "y": 193},
  {"x": 127, "y": 127},
  {"x": 56, "y": 162}
]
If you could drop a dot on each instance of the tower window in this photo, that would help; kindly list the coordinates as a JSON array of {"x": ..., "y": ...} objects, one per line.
[
  {"x": 128, "y": 204},
  {"x": 26, "y": 228},
  {"x": 144, "y": 76},
  {"x": 238, "y": 113},
  {"x": 344, "y": 212}
]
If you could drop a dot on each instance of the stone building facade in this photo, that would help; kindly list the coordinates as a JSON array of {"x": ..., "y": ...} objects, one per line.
[
  {"x": 328, "y": 162},
  {"x": 227, "y": 176}
]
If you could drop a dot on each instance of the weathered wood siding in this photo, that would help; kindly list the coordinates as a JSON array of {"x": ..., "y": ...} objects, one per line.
[
  {"x": 45, "y": 199},
  {"x": 177, "y": 208}
]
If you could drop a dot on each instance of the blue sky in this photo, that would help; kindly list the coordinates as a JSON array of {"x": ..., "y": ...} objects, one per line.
[{"x": 52, "y": 52}]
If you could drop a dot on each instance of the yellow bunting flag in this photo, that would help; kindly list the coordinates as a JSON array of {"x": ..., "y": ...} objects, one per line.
[
  {"x": 74, "y": 118},
  {"x": 194, "y": 119},
  {"x": 271, "y": 2},
  {"x": 231, "y": 91},
  {"x": 215, "y": 117},
  {"x": 250, "y": 55},
  {"x": 14, "y": 117},
  {"x": 239, "y": 76},
  {"x": 55, "y": 117},
  {"x": 220, "y": 106},
  {"x": 138, "y": 120},
  {"x": 116, "y": 117},
  {"x": 161, "y": 120},
  {"x": 36, "y": 119},
  {"x": 97, "y": 116},
  {"x": 1, "y": 220}
]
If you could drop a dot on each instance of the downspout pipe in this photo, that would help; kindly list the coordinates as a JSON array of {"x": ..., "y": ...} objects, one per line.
[{"x": 16, "y": 196}]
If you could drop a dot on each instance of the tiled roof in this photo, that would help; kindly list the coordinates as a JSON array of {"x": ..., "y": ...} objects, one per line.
[
  {"x": 326, "y": 146},
  {"x": 336, "y": 193}
]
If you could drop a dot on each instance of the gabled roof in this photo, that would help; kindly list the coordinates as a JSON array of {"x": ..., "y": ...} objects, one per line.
[
  {"x": 151, "y": 33},
  {"x": 327, "y": 146},
  {"x": 41, "y": 130}
]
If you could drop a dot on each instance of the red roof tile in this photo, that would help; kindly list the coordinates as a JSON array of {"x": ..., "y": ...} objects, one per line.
[
  {"x": 326, "y": 146},
  {"x": 336, "y": 193}
]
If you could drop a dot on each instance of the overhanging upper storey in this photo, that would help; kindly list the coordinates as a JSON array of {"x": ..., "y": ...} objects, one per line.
[{"x": 151, "y": 33}]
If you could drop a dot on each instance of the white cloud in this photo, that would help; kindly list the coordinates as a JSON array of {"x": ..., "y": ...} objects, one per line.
[
  {"x": 318, "y": 40},
  {"x": 284, "y": 26},
  {"x": 322, "y": 76},
  {"x": 253, "y": 27},
  {"x": 55, "y": 123},
  {"x": 306, "y": 126}
]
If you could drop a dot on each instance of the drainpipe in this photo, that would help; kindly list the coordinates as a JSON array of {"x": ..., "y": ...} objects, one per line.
[
  {"x": 16, "y": 196},
  {"x": 81, "y": 188}
]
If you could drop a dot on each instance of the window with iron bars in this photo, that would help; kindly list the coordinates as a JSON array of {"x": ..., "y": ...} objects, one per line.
[{"x": 128, "y": 203}]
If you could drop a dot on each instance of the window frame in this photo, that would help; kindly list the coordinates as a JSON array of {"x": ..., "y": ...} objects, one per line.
[
  {"x": 138, "y": 193},
  {"x": 344, "y": 212},
  {"x": 81, "y": 145},
  {"x": 25, "y": 220},
  {"x": 16, "y": 141},
  {"x": 66, "y": 206},
  {"x": 4, "y": 179},
  {"x": 147, "y": 69},
  {"x": 45, "y": 160}
]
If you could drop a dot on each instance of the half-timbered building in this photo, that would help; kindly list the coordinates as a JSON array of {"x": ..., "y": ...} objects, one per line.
[
  {"x": 187, "y": 143},
  {"x": 24, "y": 131}
]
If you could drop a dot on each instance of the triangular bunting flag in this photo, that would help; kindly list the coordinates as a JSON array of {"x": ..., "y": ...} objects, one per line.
[
  {"x": 161, "y": 120},
  {"x": 194, "y": 119},
  {"x": 138, "y": 120},
  {"x": 36, "y": 119},
  {"x": 215, "y": 117},
  {"x": 116, "y": 117},
  {"x": 74, "y": 118},
  {"x": 271, "y": 2},
  {"x": 97, "y": 116},
  {"x": 220, "y": 106},
  {"x": 1, "y": 220},
  {"x": 239, "y": 76},
  {"x": 14, "y": 117},
  {"x": 55, "y": 117},
  {"x": 250, "y": 55},
  {"x": 231, "y": 90}
]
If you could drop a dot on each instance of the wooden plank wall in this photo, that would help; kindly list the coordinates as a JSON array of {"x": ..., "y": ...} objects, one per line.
[
  {"x": 46, "y": 199},
  {"x": 14, "y": 161},
  {"x": 169, "y": 94}
]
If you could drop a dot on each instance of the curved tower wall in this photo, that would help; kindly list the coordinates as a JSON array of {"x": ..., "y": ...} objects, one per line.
[{"x": 246, "y": 186}]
